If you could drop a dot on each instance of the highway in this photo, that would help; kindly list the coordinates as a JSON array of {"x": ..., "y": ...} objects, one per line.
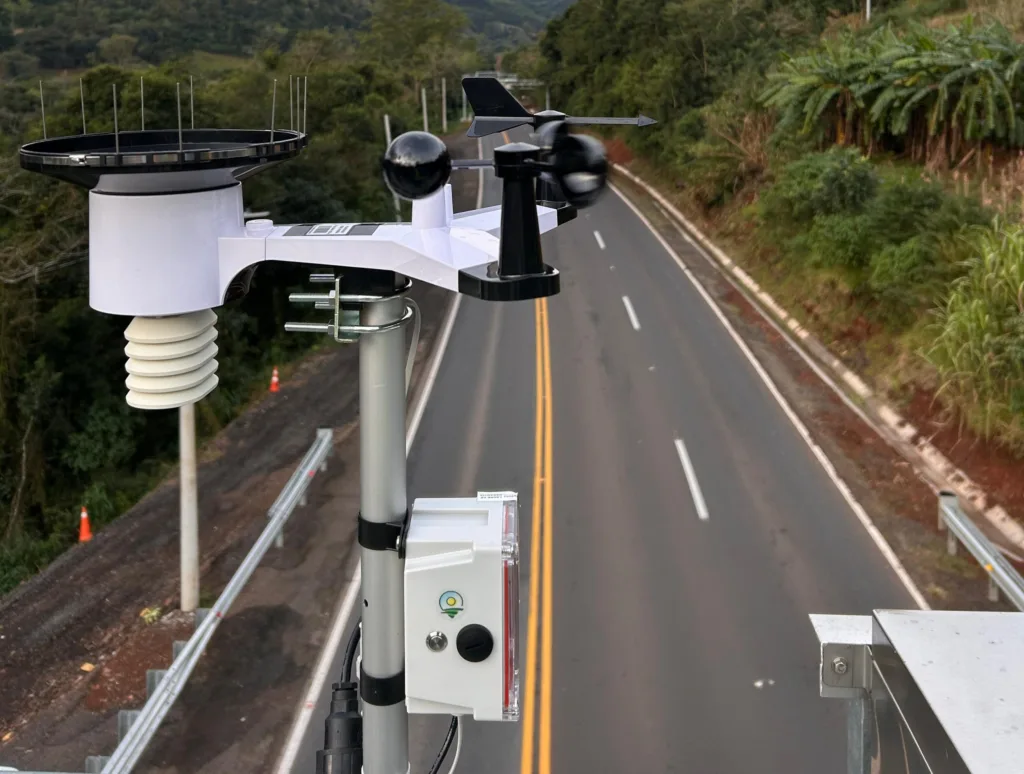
[{"x": 676, "y": 531}]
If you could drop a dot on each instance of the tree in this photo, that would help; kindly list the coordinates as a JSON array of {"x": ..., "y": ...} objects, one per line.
[{"x": 117, "y": 50}]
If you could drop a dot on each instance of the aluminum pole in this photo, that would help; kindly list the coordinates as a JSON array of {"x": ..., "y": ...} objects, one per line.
[
  {"x": 423, "y": 99},
  {"x": 463, "y": 104},
  {"x": 444, "y": 106},
  {"x": 383, "y": 499},
  {"x": 189, "y": 508},
  {"x": 547, "y": 98},
  {"x": 869, "y": 9}
]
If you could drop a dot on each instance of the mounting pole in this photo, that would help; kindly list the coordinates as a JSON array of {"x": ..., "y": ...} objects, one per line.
[
  {"x": 423, "y": 100},
  {"x": 547, "y": 94},
  {"x": 444, "y": 105},
  {"x": 463, "y": 105},
  {"x": 383, "y": 500},
  {"x": 189, "y": 508},
  {"x": 869, "y": 10}
]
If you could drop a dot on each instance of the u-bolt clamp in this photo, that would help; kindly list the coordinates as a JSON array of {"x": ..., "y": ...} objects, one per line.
[{"x": 344, "y": 329}]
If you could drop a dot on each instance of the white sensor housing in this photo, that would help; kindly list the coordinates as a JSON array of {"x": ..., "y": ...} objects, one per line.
[{"x": 461, "y": 585}]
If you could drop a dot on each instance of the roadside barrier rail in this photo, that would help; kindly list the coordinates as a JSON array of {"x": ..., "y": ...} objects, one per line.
[
  {"x": 136, "y": 728},
  {"x": 961, "y": 530}
]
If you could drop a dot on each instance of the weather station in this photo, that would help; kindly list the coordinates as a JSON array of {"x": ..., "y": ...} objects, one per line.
[{"x": 169, "y": 243}]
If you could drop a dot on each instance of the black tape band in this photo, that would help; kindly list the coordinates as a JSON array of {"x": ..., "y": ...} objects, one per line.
[
  {"x": 382, "y": 691},
  {"x": 384, "y": 536}
]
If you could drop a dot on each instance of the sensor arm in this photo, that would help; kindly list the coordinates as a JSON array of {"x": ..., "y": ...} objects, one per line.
[{"x": 439, "y": 247}]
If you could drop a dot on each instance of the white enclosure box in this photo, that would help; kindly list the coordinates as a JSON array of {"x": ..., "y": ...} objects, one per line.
[{"x": 462, "y": 607}]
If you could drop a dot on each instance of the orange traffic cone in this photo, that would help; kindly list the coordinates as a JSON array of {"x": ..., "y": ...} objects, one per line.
[
  {"x": 84, "y": 530},
  {"x": 275, "y": 383}
]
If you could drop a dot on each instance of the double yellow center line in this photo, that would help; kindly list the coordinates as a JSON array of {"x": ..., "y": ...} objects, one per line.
[{"x": 540, "y": 565}]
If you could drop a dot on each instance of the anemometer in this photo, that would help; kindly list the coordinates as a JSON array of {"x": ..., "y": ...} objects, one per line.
[{"x": 168, "y": 244}]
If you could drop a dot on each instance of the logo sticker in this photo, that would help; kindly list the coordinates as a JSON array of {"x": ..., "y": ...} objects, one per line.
[{"x": 451, "y": 603}]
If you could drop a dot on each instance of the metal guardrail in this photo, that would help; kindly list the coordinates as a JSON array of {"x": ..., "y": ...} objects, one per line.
[
  {"x": 144, "y": 727},
  {"x": 960, "y": 529},
  {"x": 143, "y": 724}
]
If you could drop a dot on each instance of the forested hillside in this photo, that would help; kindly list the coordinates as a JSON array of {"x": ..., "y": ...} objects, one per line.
[
  {"x": 67, "y": 438},
  {"x": 870, "y": 174},
  {"x": 70, "y": 34}
]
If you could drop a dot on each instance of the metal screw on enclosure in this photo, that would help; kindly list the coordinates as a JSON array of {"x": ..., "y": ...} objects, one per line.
[
  {"x": 437, "y": 641},
  {"x": 839, "y": 665}
]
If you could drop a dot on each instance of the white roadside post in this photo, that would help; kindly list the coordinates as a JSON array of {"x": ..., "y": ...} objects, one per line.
[
  {"x": 189, "y": 508},
  {"x": 444, "y": 105}
]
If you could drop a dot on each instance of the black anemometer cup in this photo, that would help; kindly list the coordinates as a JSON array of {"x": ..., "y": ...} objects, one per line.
[{"x": 416, "y": 165}]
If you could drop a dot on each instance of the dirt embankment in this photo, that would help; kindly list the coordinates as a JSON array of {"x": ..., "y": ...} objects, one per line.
[{"x": 84, "y": 610}]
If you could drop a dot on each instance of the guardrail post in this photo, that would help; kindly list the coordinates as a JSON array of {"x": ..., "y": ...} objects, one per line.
[
  {"x": 951, "y": 543},
  {"x": 125, "y": 720},
  {"x": 176, "y": 648},
  {"x": 993, "y": 588},
  {"x": 279, "y": 540},
  {"x": 94, "y": 764},
  {"x": 943, "y": 498},
  {"x": 947, "y": 499},
  {"x": 153, "y": 678}
]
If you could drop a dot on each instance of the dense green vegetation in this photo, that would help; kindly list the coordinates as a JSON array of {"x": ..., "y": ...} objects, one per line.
[
  {"x": 855, "y": 168},
  {"x": 66, "y": 435},
  {"x": 71, "y": 34},
  {"x": 934, "y": 94}
]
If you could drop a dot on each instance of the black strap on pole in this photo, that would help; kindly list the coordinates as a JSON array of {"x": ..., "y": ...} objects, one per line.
[{"x": 384, "y": 536}]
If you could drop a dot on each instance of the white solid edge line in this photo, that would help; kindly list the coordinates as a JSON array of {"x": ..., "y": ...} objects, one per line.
[
  {"x": 858, "y": 510},
  {"x": 632, "y": 314},
  {"x": 600, "y": 242},
  {"x": 320, "y": 674},
  {"x": 344, "y": 609},
  {"x": 691, "y": 481}
]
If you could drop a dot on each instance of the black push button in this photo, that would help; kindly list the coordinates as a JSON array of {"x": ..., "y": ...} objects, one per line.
[{"x": 474, "y": 643}]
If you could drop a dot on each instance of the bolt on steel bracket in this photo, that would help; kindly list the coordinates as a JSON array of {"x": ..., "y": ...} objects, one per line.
[{"x": 846, "y": 667}]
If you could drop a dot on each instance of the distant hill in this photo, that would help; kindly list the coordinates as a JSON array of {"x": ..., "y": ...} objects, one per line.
[
  {"x": 507, "y": 24},
  {"x": 67, "y": 34}
]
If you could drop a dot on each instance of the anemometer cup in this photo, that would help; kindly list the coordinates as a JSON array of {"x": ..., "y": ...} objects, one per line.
[
  {"x": 576, "y": 164},
  {"x": 416, "y": 165}
]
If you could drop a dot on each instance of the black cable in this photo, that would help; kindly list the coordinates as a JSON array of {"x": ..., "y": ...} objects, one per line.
[
  {"x": 452, "y": 728},
  {"x": 347, "y": 665},
  {"x": 350, "y": 654}
]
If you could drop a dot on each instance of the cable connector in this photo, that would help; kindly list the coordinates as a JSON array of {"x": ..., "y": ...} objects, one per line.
[{"x": 343, "y": 733}]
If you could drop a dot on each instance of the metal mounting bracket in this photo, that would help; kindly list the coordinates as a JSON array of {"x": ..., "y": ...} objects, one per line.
[
  {"x": 845, "y": 671},
  {"x": 345, "y": 329}
]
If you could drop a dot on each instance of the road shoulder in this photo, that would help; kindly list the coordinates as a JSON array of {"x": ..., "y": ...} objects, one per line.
[{"x": 899, "y": 498}]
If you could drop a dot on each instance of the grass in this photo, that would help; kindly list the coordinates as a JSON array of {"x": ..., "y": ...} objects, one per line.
[{"x": 969, "y": 348}]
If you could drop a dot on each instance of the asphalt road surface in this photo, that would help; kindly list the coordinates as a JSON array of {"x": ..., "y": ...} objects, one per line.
[{"x": 676, "y": 529}]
